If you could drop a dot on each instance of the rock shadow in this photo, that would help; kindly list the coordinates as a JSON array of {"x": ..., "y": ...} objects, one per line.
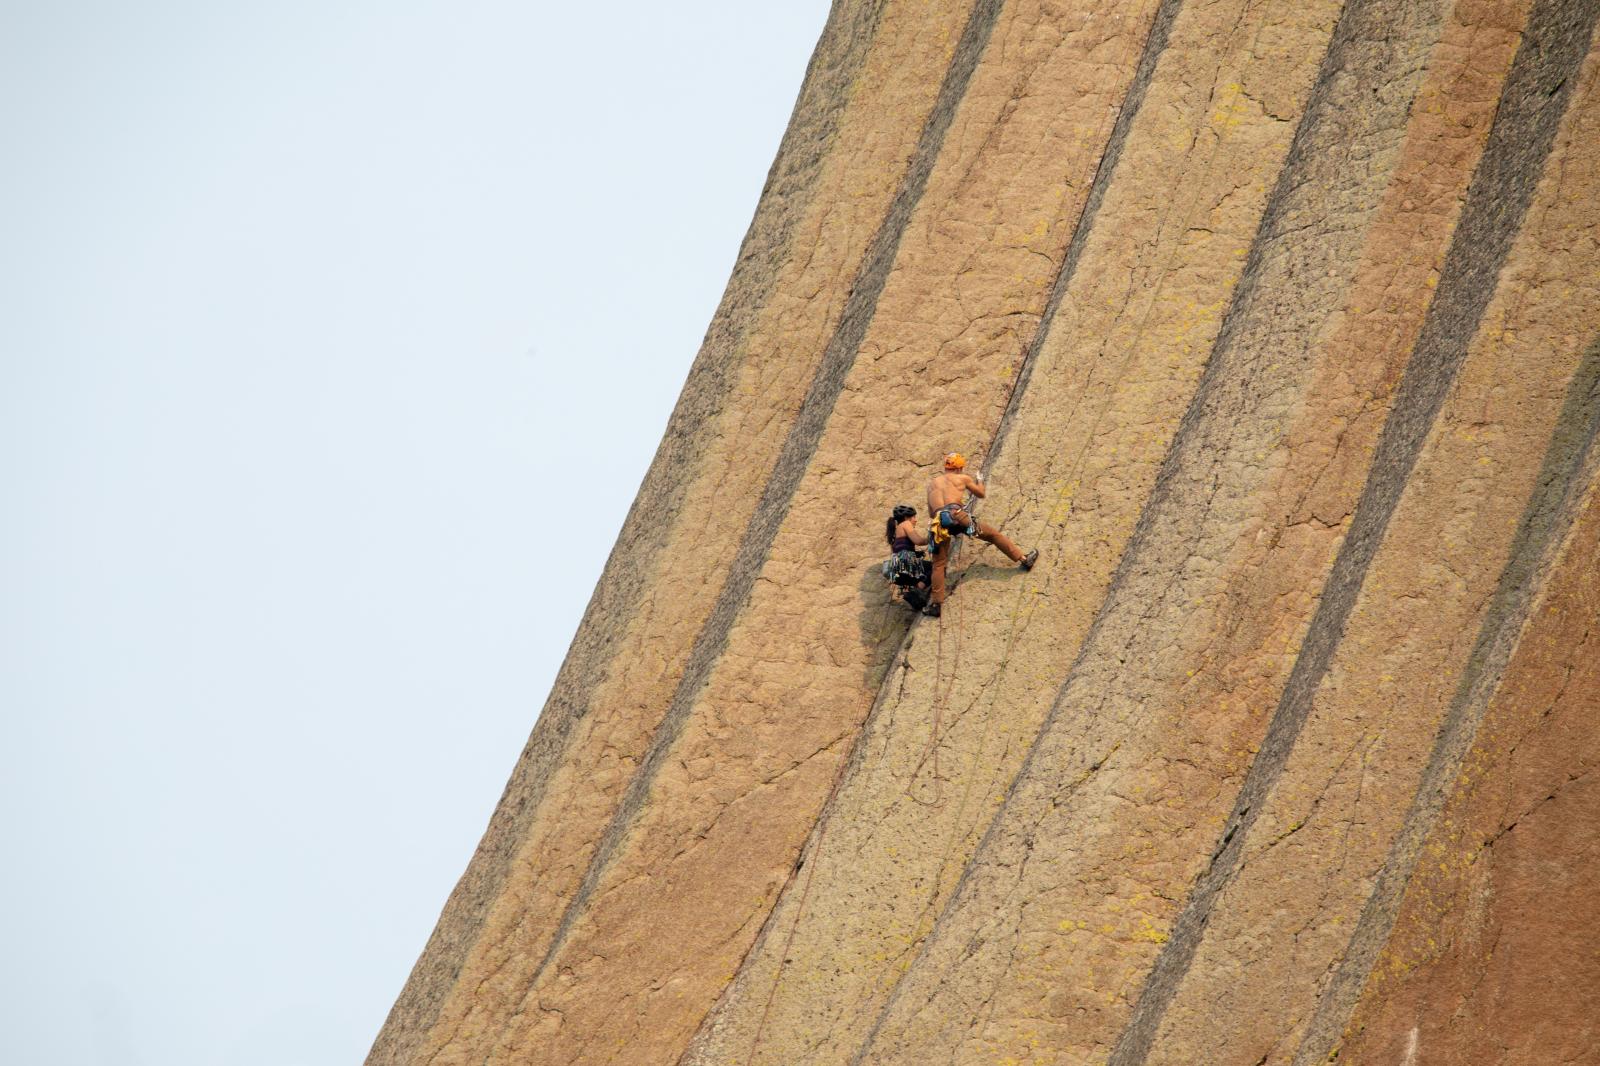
[{"x": 883, "y": 621}]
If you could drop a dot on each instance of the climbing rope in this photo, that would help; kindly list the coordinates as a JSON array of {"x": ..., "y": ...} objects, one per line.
[
  {"x": 794, "y": 927},
  {"x": 940, "y": 698},
  {"x": 931, "y": 750}
]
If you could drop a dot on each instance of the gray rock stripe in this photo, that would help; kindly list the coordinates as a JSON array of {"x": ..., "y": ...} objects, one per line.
[
  {"x": 837, "y": 360},
  {"x": 1155, "y": 42},
  {"x": 1530, "y": 109},
  {"x": 1569, "y": 467},
  {"x": 790, "y": 188},
  {"x": 1105, "y": 171}
]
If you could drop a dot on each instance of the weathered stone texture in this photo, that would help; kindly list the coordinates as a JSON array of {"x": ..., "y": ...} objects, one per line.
[
  {"x": 1104, "y": 397},
  {"x": 1492, "y": 960},
  {"x": 1310, "y": 860},
  {"x": 1276, "y": 328}
]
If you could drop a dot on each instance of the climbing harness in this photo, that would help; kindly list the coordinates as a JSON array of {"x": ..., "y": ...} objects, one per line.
[
  {"x": 912, "y": 573},
  {"x": 905, "y": 568},
  {"x": 947, "y": 521}
]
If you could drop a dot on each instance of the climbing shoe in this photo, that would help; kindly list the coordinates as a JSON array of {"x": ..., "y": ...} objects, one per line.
[
  {"x": 1029, "y": 559},
  {"x": 933, "y": 610}
]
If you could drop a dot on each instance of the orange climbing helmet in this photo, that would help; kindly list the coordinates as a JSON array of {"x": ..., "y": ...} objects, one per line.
[{"x": 955, "y": 461}]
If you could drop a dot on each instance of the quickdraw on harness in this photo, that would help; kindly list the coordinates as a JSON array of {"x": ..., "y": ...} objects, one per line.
[
  {"x": 946, "y": 524},
  {"x": 905, "y": 568}
]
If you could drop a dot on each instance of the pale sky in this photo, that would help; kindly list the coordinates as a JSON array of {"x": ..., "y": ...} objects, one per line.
[{"x": 334, "y": 341}]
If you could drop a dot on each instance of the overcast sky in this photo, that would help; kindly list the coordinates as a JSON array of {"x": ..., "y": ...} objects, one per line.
[{"x": 334, "y": 341}]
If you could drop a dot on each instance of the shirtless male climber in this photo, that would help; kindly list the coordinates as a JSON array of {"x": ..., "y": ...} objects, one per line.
[{"x": 947, "y": 503}]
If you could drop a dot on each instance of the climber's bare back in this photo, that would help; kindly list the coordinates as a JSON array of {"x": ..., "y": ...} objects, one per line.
[{"x": 951, "y": 487}]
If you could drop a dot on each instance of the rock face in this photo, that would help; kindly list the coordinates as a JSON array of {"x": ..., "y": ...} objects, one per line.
[{"x": 1276, "y": 327}]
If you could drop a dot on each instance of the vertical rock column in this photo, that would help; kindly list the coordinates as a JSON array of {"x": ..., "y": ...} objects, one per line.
[
  {"x": 1311, "y": 858},
  {"x": 1492, "y": 958},
  {"x": 1071, "y": 898},
  {"x": 1104, "y": 396}
]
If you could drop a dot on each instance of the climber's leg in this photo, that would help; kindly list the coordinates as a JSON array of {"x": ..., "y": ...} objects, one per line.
[
  {"x": 999, "y": 540},
  {"x": 941, "y": 559}
]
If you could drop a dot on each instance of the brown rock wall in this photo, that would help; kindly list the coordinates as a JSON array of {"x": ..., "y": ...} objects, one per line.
[
  {"x": 1493, "y": 959},
  {"x": 1272, "y": 322},
  {"x": 1313, "y": 854},
  {"x": 776, "y": 744},
  {"x": 1104, "y": 397},
  {"x": 1131, "y": 782}
]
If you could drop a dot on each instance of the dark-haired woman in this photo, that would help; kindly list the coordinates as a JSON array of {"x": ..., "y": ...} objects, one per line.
[
  {"x": 907, "y": 569},
  {"x": 901, "y": 532}
]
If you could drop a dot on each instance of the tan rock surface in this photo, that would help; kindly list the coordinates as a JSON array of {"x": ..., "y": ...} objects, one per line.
[
  {"x": 1491, "y": 959},
  {"x": 775, "y": 745},
  {"x": 1167, "y": 703},
  {"x": 1310, "y": 860},
  {"x": 1104, "y": 397},
  {"x": 1276, "y": 325}
]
